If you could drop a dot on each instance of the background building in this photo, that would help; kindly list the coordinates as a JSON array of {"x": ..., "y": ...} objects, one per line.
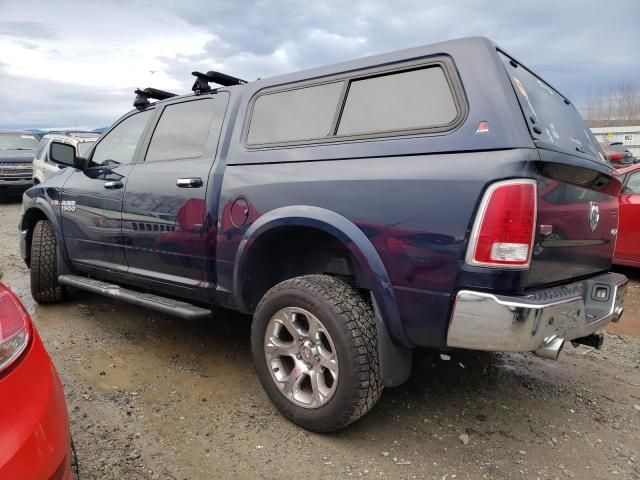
[{"x": 625, "y": 131}]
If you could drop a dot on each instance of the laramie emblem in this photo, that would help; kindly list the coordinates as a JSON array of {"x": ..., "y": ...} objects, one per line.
[{"x": 594, "y": 215}]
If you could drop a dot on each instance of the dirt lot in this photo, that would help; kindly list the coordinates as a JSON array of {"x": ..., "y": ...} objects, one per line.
[{"x": 152, "y": 396}]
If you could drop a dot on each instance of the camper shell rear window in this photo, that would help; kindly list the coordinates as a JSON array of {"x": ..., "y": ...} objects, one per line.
[{"x": 553, "y": 121}]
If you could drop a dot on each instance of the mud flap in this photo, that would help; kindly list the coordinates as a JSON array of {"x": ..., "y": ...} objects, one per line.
[{"x": 395, "y": 360}]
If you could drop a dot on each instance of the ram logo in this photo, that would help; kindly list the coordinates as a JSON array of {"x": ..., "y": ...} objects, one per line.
[{"x": 594, "y": 215}]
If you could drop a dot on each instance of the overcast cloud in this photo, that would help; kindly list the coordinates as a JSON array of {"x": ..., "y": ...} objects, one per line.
[{"x": 72, "y": 62}]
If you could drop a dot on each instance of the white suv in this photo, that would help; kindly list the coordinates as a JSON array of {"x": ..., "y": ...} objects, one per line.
[{"x": 43, "y": 168}]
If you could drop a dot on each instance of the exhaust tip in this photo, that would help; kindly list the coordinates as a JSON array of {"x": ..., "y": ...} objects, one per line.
[
  {"x": 551, "y": 348},
  {"x": 617, "y": 314}
]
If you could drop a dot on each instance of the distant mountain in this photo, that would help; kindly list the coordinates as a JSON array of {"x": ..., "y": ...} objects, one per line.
[
  {"x": 36, "y": 131},
  {"x": 99, "y": 130}
]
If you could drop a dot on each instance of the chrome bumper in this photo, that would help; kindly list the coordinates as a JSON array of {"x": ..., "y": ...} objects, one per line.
[{"x": 534, "y": 322}]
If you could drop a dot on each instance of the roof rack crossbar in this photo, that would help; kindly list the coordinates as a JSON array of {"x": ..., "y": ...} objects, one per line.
[
  {"x": 142, "y": 97},
  {"x": 201, "y": 84}
]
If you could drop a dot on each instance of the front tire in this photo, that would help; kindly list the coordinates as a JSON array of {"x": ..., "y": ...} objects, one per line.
[
  {"x": 314, "y": 343},
  {"x": 44, "y": 265}
]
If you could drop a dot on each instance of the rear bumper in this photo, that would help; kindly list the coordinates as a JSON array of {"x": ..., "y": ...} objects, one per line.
[
  {"x": 34, "y": 425},
  {"x": 527, "y": 323}
]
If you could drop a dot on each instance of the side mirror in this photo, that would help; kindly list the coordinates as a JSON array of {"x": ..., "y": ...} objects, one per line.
[
  {"x": 65, "y": 155},
  {"x": 62, "y": 154}
]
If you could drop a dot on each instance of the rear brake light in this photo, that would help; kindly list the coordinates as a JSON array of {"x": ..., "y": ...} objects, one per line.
[
  {"x": 503, "y": 231},
  {"x": 616, "y": 156},
  {"x": 14, "y": 327}
]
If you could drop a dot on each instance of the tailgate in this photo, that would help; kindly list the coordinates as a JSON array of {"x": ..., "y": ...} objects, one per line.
[{"x": 576, "y": 225}]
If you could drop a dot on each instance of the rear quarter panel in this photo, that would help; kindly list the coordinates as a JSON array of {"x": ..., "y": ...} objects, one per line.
[{"x": 415, "y": 210}]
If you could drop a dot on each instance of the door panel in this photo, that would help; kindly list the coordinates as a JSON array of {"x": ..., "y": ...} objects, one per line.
[
  {"x": 91, "y": 202},
  {"x": 91, "y": 218},
  {"x": 166, "y": 230},
  {"x": 628, "y": 244}
]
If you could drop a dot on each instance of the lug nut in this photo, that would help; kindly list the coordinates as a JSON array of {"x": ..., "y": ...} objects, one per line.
[{"x": 298, "y": 356}]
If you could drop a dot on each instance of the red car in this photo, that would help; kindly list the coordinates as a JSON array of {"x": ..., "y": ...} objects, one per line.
[
  {"x": 34, "y": 426},
  {"x": 627, "y": 250}
]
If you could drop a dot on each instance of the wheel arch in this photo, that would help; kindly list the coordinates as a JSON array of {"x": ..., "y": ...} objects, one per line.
[
  {"x": 38, "y": 210},
  {"x": 393, "y": 346},
  {"x": 368, "y": 262}
]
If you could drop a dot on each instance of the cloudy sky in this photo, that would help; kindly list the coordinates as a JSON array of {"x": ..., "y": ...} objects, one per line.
[{"x": 72, "y": 62}]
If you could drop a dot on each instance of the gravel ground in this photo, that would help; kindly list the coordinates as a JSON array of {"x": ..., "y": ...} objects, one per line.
[{"x": 152, "y": 396}]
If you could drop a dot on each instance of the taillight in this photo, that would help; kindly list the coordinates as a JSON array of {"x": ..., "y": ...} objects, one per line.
[
  {"x": 502, "y": 234},
  {"x": 15, "y": 327},
  {"x": 614, "y": 157}
]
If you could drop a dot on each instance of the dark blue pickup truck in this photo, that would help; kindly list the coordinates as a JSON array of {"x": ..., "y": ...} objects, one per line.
[{"x": 443, "y": 196}]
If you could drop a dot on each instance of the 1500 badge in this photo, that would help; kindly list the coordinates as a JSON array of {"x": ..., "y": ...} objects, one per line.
[{"x": 67, "y": 205}]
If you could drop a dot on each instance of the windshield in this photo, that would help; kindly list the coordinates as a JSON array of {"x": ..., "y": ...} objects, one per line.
[
  {"x": 18, "y": 141},
  {"x": 551, "y": 118},
  {"x": 84, "y": 147}
]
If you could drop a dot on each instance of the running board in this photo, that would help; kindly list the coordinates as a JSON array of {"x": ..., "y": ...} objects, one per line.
[{"x": 154, "y": 302}]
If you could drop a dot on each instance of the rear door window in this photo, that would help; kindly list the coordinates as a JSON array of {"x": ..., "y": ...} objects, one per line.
[
  {"x": 183, "y": 128},
  {"x": 415, "y": 99},
  {"x": 552, "y": 120}
]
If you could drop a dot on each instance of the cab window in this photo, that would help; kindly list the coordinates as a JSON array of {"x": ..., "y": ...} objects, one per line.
[{"x": 119, "y": 145}]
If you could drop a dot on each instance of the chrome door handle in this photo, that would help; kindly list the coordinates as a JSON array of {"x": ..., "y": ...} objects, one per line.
[
  {"x": 195, "y": 182},
  {"x": 113, "y": 185}
]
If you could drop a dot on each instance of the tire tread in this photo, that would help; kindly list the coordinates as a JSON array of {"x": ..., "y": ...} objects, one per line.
[
  {"x": 359, "y": 322},
  {"x": 44, "y": 269}
]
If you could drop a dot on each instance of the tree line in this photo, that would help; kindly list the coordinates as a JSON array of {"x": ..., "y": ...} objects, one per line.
[{"x": 620, "y": 102}]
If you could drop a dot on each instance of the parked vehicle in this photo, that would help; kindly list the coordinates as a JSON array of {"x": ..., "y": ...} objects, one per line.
[
  {"x": 617, "y": 153},
  {"x": 16, "y": 154},
  {"x": 357, "y": 211},
  {"x": 43, "y": 167},
  {"x": 34, "y": 425},
  {"x": 627, "y": 250}
]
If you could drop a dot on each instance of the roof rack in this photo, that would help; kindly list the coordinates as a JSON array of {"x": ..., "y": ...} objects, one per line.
[
  {"x": 201, "y": 84},
  {"x": 142, "y": 97}
]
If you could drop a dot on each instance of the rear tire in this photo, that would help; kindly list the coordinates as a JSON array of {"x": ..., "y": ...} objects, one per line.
[
  {"x": 44, "y": 265},
  {"x": 330, "y": 346}
]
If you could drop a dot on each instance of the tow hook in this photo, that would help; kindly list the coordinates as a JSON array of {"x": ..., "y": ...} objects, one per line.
[{"x": 594, "y": 340}]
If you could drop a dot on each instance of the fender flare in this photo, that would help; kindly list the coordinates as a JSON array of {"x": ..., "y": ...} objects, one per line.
[
  {"x": 388, "y": 318},
  {"x": 39, "y": 203}
]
